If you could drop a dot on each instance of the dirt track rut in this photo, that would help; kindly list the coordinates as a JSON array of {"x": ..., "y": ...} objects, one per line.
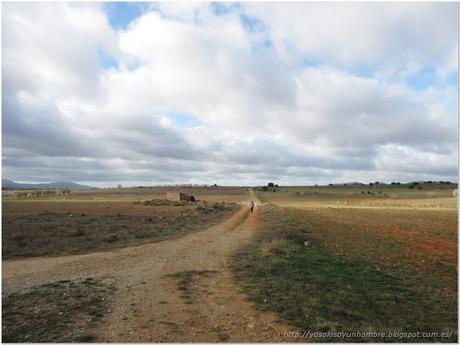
[{"x": 148, "y": 305}]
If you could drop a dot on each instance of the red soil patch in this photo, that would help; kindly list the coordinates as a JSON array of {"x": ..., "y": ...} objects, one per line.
[{"x": 430, "y": 245}]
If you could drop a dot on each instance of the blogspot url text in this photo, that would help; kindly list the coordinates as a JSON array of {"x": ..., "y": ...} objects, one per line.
[{"x": 373, "y": 334}]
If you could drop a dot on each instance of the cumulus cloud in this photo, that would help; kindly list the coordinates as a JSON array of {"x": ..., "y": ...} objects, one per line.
[
  {"x": 242, "y": 93},
  {"x": 373, "y": 34}
]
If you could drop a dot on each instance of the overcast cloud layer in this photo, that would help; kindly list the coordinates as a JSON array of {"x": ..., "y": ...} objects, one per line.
[{"x": 297, "y": 93}]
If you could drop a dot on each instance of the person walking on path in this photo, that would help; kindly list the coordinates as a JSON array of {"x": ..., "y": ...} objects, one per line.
[{"x": 251, "y": 206}]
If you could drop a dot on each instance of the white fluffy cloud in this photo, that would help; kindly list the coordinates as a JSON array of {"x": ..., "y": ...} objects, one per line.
[
  {"x": 295, "y": 92},
  {"x": 374, "y": 34}
]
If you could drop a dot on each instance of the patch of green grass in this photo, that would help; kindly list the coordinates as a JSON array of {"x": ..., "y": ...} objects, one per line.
[
  {"x": 318, "y": 288},
  {"x": 63, "y": 311}
]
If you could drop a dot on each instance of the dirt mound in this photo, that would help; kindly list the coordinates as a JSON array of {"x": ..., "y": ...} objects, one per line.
[
  {"x": 200, "y": 205},
  {"x": 161, "y": 202},
  {"x": 208, "y": 207}
]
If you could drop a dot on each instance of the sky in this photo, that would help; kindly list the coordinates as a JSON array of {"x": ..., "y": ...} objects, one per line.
[{"x": 229, "y": 93}]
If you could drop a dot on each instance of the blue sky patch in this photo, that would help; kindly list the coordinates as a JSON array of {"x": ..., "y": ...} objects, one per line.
[
  {"x": 120, "y": 14},
  {"x": 133, "y": 65},
  {"x": 222, "y": 8},
  {"x": 423, "y": 79},
  {"x": 452, "y": 79},
  {"x": 106, "y": 60},
  {"x": 183, "y": 119},
  {"x": 252, "y": 24},
  {"x": 309, "y": 62}
]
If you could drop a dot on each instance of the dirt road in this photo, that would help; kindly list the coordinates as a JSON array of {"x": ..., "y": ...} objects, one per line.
[{"x": 148, "y": 305}]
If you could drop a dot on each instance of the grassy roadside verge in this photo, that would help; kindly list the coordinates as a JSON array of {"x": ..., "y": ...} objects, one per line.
[{"x": 325, "y": 287}]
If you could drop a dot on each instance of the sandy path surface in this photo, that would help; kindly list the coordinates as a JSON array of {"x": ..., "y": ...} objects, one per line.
[{"x": 148, "y": 305}]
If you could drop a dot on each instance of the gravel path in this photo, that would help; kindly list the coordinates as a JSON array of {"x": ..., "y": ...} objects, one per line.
[{"x": 149, "y": 306}]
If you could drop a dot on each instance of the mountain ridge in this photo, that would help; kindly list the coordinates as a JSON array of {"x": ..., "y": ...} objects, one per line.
[{"x": 9, "y": 184}]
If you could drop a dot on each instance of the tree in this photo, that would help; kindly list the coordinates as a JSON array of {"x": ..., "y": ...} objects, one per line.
[{"x": 270, "y": 185}]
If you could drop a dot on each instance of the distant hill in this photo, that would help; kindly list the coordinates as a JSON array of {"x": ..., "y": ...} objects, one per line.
[{"x": 8, "y": 184}]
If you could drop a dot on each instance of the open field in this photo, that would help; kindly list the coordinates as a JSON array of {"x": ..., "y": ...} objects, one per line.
[
  {"x": 308, "y": 259},
  {"x": 432, "y": 196},
  {"x": 93, "y": 220},
  {"x": 121, "y": 195},
  {"x": 324, "y": 266}
]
